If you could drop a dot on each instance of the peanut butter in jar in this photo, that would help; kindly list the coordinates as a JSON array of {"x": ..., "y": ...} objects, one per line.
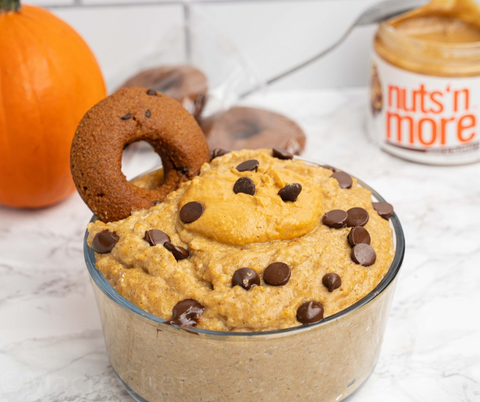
[{"x": 425, "y": 84}]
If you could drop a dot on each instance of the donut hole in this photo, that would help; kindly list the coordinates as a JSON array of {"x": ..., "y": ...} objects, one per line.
[
  {"x": 138, "y": 158},
  {"x": 244, "y": 129}
]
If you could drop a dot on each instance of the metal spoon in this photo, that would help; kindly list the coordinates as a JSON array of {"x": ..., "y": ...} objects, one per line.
[{"x": 377, "y": 13}]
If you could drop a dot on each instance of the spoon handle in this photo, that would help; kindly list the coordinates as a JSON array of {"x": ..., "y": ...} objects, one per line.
[
  {"x": 374, "y": 14},
  {"x": 387, "y": 9}
]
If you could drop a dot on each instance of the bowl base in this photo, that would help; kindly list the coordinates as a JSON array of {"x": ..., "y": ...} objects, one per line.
[
  {"x": 132, "y": 393},
  {"x": 138, "y": 398}
]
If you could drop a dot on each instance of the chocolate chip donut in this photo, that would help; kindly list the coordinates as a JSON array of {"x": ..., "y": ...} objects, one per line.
[
  {"x": 252, "y": 128},
  {"x": 185, "y": 84},
  {"x": 130, "y": 115}
]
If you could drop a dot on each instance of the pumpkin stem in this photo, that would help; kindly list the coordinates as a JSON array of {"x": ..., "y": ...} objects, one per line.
[{"x": 9, "y": 5}]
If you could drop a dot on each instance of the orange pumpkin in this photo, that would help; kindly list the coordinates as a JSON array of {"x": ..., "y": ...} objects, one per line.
[{"x": 49, "y": 78}]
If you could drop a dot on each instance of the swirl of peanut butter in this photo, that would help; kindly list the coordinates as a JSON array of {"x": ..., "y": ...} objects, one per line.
[{"x": 240, "y": 219}]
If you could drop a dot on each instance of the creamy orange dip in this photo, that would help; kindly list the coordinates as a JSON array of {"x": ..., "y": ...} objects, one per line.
[{"x": 239, "y": 230}]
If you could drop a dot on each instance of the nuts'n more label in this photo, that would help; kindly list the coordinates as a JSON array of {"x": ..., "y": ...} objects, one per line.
[{"x": 424, "y": 118}]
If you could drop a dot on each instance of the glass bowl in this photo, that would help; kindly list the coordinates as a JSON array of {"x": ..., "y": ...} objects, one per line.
[{"x": 324, "y": 361}]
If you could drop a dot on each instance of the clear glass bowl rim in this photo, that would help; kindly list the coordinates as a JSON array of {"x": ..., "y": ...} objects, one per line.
[{"x": 112, "y": 294}]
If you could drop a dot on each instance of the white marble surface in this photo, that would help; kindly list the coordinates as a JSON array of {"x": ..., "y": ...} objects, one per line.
[{"x": 51, "y": 345}]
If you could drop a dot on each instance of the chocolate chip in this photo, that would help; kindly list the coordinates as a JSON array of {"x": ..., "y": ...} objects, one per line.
[
  {"x": 384, "y": 209},
  {"x": 344, "y": 180},
  {"x": 155, "y": 236},
  {"x": 310, "y": 312},
  {"x": 247, "y": 278},
  {"x": 218, "y": 152},
  {"x": 186, "y": 313},
  {"x": 363, "y": 254},
  {"x": 281, "y": 153},
  {"x": 332, "y": 281},
  {"x": 336, "y": 218},
  {"x": 191, "y": 211},
  {"x": 148, "y": 113},
  {"x": 358, "y": 235},
  {"x": 127, "y": 116},
  {"x": 357, "y": 217},
  {"x": 249, "y": 165},
  {"x": 151, "y": 92},
  {"x": 178, "y": 252},
  {"x": 104, "y": 241},
  {"x": 244, "y": 185},
  {"x": 277, "y": 274},
  {"x": 290, "y": 192}
]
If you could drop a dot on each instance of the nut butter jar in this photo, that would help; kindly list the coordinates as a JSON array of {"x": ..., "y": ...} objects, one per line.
[{"x": 425, "y": 84}]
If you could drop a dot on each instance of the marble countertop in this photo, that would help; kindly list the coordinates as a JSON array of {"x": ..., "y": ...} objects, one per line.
[{"x": 51, "y": 343}]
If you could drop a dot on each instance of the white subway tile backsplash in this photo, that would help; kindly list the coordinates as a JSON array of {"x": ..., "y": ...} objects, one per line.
[
  {"x": 130, "y": 2},
  {"x": 271, "y": 35},
  {"x": 278, "y": 35},
  {"x": 44, "y": 3},
  {"x": 122, "y": 37}
]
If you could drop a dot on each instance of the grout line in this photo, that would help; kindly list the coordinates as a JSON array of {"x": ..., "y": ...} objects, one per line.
[
  {"x": 187, "y": 22},
  {"x": 82, "y": 4}
]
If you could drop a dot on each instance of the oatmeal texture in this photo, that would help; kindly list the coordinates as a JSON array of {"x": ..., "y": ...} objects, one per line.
[{"x": 241, "y": 230}]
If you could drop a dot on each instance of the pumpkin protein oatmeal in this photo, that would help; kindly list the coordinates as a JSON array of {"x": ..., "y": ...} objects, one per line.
[
  {"x": 259, "y": 262},
  {"x": 222, "y": 268},
  {"x": 255, "y": 242}
]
